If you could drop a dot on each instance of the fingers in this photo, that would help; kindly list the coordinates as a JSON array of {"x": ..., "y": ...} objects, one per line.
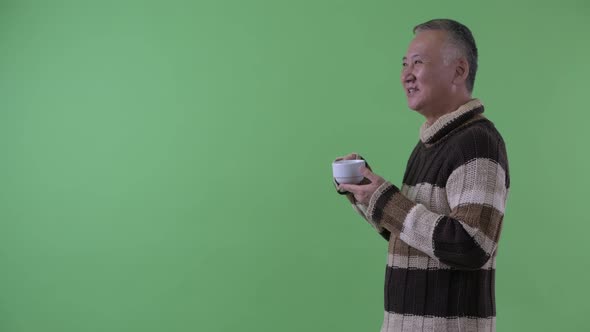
[
  {"x": 350, "y": 156},
  {"x": 375, "y": 179},
  {"x": 368, "y": 174},
  {"x": 365, "y": 181},
  {"x": 352, "y": 188},
  {"x": 356, "y": 193}
]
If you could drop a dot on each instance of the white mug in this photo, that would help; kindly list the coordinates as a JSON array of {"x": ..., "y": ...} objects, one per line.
[{"x": 348, "y": 171}]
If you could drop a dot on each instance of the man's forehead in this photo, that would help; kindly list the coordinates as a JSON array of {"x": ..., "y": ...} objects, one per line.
[
  {"x": 425, "y": 43},
  {"x": 411, "y": 56}
]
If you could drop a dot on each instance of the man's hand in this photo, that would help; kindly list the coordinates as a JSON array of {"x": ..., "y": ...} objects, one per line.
[
  {"x": 363, "y": 193},
  {"x": 350, "y": 156}
]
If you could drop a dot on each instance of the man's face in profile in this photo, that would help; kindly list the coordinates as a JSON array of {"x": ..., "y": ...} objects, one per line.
[{"x": 426, "y": 79}]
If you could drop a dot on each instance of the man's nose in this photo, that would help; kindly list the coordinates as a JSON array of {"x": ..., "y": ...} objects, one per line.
[{"x": 407, "y": 76}]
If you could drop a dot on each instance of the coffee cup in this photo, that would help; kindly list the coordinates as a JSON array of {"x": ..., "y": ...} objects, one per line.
[{"x": 348, "y": 171}]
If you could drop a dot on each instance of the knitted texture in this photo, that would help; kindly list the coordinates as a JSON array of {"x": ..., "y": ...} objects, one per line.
[{"x": 443, "y": 226}]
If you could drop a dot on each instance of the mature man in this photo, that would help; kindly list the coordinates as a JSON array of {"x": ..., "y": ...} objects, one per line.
[{"x": 443, "y": 225}]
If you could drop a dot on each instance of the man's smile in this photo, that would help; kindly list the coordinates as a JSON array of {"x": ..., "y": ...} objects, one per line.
[{"x": 410, "y": 91}]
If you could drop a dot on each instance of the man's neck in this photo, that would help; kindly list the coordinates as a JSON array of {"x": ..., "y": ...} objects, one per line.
[{"x": 446, "y": 109}]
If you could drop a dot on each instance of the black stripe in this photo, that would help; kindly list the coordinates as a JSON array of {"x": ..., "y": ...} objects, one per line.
[
  {"x": 434, "y": 164},
  {"x": 382, "y": 201},
  {"x": 455, "y": 247},
  {"x": 482, "y": 140},
  {"x": 440, "y": 293}
]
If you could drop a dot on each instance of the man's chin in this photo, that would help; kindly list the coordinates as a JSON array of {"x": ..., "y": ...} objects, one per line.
[
  {"x": 416, "y": 108},
  {"x": 413, "y": 106}
]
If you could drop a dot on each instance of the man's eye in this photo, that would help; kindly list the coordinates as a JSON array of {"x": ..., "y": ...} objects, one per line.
[
  {"x": 417, "y": 61},
  {"x": 404, "y": 64}
]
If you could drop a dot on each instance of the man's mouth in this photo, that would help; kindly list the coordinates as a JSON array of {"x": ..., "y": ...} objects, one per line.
[{"x": 411, "y": 91}]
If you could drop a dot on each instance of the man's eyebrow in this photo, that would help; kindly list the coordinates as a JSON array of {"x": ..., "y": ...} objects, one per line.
[{"x": 413, "y": 56}]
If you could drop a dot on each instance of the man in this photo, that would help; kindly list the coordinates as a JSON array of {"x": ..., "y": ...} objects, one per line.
[{"x": 444, "y": 224}]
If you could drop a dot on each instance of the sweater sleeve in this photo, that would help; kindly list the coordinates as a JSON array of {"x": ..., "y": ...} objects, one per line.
[
  {"x": 476, "y": 191},
  {"x": 361, "y": 209}
]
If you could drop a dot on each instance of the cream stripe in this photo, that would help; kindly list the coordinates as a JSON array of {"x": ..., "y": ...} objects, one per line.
[
  {"x": 418, "y": 229},
  {"x": 490, "y": 264},
  {"x": 426, "y": 132},
  {"x": 488, "y": 245},
  {"x": 415, "y": 262},
  {"x": 481, "y": 181},
  {"x": 426, "y": 263},
  {"x": 432, "y": 197},
  {"x": 394, "y": 322}
]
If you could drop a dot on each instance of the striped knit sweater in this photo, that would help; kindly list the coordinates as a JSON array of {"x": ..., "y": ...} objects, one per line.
[{"x": 443, "y": 226}]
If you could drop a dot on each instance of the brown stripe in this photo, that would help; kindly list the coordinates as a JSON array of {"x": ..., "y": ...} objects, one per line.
[
  {"x": 395, "y": 212},
  {"x": 399, "y": 247},
  {"x": 388, "y": 214},
  {"x": 391, "y": 244},
  {"x": 486, "y": 218}
]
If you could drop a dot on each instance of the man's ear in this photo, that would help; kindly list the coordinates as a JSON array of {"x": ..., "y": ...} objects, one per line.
[{"x": 461, "y": 70}]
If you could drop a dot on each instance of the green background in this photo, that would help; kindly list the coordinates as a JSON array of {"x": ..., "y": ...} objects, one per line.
[{"x": 165, "y": 166}]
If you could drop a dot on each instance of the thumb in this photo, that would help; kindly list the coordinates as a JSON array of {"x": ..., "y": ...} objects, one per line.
[
  {"x": 347, "y": 187},
  {"x": 367, "y": 173}
]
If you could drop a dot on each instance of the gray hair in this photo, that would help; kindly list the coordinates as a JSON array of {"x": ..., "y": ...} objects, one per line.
[{"x": 460, "y": 38}]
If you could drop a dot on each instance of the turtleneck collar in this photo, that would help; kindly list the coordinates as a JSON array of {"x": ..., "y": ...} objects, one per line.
[{"x": 446, "y": 123}]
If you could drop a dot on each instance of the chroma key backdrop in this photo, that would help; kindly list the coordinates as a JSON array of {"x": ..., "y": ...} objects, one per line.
[{"x": 165, "y": 165}]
